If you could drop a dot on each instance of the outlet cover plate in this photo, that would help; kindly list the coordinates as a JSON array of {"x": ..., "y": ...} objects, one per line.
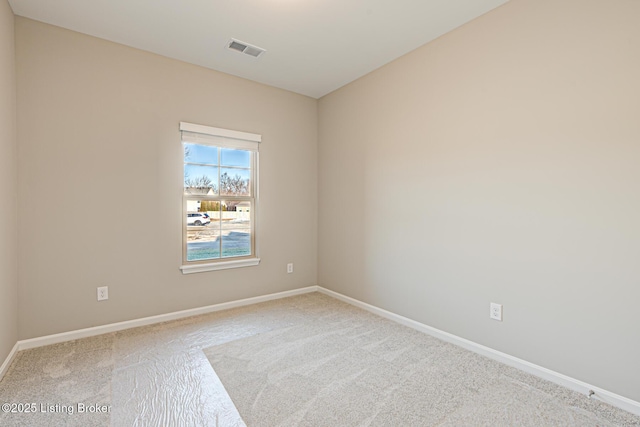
[
  {"x": 495, "y": 311},
  {"x": 103, "y": 293}
]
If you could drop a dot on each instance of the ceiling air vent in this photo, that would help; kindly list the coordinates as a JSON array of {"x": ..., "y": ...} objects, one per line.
[{"x": 245, "y": 48}]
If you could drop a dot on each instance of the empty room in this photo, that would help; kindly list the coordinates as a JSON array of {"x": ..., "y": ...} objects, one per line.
[{"x": 320, "y": 213}]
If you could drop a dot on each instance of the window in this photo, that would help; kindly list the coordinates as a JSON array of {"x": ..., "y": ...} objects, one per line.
[{"x": 219, "y": 198}]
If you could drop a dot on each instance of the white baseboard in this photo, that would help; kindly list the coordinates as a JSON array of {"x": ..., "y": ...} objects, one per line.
[
  {"x": 547, "y": 374},
  {"x": 114, "y": 327},
  {"x": 7, "y": 362}
]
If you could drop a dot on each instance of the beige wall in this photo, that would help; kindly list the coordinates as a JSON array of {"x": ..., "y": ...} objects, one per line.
[
  {"x": 100, "y": 181},
  {"x": 498, "y": 163},
  {"x": 8, "y": 186}
]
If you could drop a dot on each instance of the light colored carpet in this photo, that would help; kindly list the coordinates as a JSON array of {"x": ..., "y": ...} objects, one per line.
[
  {"x": 305, "y": 360},
  {"x": 342, "y": 366}
]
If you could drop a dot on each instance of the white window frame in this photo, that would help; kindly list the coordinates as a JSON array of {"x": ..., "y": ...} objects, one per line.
[{"x": 221, "y": 138}]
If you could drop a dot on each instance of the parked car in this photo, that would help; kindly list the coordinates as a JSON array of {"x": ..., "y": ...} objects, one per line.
[{"x": 198, "y": 218}]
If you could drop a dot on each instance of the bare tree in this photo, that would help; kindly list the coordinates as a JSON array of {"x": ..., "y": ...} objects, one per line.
[
  {"x": 233, "y": 186},
  {"x": 202, "y": 184}
]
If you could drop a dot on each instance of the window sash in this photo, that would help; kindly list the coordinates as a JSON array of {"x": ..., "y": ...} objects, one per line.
[{"x": 252, "y": 230}]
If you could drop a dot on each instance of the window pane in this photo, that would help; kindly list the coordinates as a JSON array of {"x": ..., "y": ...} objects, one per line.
[
  {"x": 236, "y": 229},
  {"x": 200, "y": 179},
  {"x": 203, "y": 154},
  {"x": 230, "y": 157},
  {"x": 203, "y": 233},
  {"x": 218, "y": 229},
  {"x": 236, "y": 243},
  {"x": 234, "y": 182},
  {"x": 202, "y": 250}
]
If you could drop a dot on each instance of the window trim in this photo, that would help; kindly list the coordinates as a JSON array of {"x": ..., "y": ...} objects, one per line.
[
  {"x": 210, "y": 130},
  {"x": 222, "y": 138},
  {"x": 220, "y": 265}
]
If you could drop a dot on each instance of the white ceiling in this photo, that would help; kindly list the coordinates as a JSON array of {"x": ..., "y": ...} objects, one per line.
[{"x": 313, "y": 46}]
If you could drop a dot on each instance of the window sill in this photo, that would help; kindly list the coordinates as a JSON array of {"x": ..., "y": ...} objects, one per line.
[{"x": 201, "y": 268}]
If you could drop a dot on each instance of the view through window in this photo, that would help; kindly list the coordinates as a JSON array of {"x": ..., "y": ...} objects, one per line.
[{"x": 219, "y": 194}]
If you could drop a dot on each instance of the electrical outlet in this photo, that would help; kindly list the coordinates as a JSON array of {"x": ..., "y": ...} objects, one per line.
[
  {"x": 103, "y": 293},
  {"x": 290, "y": 268},
  {"x": 495, "y": 311}
]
